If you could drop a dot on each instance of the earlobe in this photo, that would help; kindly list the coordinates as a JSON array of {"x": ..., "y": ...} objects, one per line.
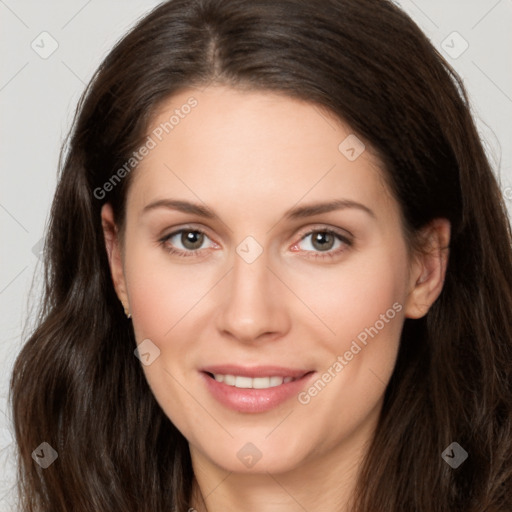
[
  {"x": 429, "y": 269},
  {"x": 112, "y": 244}
]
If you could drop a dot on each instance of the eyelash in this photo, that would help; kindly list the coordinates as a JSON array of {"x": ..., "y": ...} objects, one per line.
[{"x": 316, "y": 254}]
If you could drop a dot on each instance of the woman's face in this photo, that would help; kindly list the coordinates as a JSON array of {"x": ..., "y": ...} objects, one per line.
[{"x": 236, "y": 264}]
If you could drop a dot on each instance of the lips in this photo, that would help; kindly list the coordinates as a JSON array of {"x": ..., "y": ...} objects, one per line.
[{"x": 254, "y": 389}]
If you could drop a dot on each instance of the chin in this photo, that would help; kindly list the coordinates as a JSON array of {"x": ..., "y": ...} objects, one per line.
[{"x": 257, "y": 456}]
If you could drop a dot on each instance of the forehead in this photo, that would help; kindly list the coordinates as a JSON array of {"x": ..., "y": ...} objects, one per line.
[{"x": 250, "y": 148}]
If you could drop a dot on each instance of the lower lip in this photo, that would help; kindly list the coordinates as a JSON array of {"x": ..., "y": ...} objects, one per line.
[{"x": 254, "y": 400}]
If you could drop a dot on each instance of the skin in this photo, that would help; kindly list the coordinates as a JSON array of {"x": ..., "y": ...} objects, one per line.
[{"x": 250, "y": 156}]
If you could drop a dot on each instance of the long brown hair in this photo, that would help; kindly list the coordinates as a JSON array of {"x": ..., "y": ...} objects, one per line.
[{"x": 77, "y": 385}]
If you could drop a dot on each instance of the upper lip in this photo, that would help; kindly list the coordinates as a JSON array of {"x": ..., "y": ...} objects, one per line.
[{"x": 256, "y": 371}]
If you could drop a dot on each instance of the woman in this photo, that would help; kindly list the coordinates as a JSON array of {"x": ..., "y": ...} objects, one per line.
[{"x": 279, "y": 276}]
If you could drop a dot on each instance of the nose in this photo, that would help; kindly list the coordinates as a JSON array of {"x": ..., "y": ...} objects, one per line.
[{"x": 253, "y": 302}]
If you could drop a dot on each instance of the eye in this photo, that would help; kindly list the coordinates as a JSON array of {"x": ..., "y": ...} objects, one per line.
[
  {"x": 323, "y": 243},
  {"x": 326, "y": 241},
  {"x": 191, "y": 241}
]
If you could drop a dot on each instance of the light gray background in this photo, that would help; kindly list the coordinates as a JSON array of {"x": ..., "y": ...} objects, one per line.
[{"x": 38, "y": 96}]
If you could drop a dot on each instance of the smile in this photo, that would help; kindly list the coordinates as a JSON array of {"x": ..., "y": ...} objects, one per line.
[{"x": 254, "y": 389}]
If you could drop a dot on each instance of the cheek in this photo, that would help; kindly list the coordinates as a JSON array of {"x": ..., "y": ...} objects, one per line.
[
  {"x": 162, "y": 292},
  {"x": 363, "y": 307},
  {"x": 352, "y": 296},
  {"x": 361, "y": 303},
  {"x": 163, "y": 297}
]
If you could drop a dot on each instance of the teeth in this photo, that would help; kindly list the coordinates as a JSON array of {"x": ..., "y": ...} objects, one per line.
[
  {"x": 243, "y": 382},
  {"x": 248, "y": 382},
  {"x": 277, "y": 381}
]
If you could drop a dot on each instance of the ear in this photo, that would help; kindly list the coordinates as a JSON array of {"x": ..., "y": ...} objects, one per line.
[
  {"x": 428, "y": 270},
  {"x": 114, "y": 253}
]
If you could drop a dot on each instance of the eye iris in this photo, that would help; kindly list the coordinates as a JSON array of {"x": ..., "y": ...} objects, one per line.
[
  {"x": 324, "y": 240},
  {"x": 192, "y": 239}
]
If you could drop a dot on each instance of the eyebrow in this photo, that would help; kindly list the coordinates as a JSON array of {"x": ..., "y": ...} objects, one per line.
[{"x": 297, "y": 212}]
